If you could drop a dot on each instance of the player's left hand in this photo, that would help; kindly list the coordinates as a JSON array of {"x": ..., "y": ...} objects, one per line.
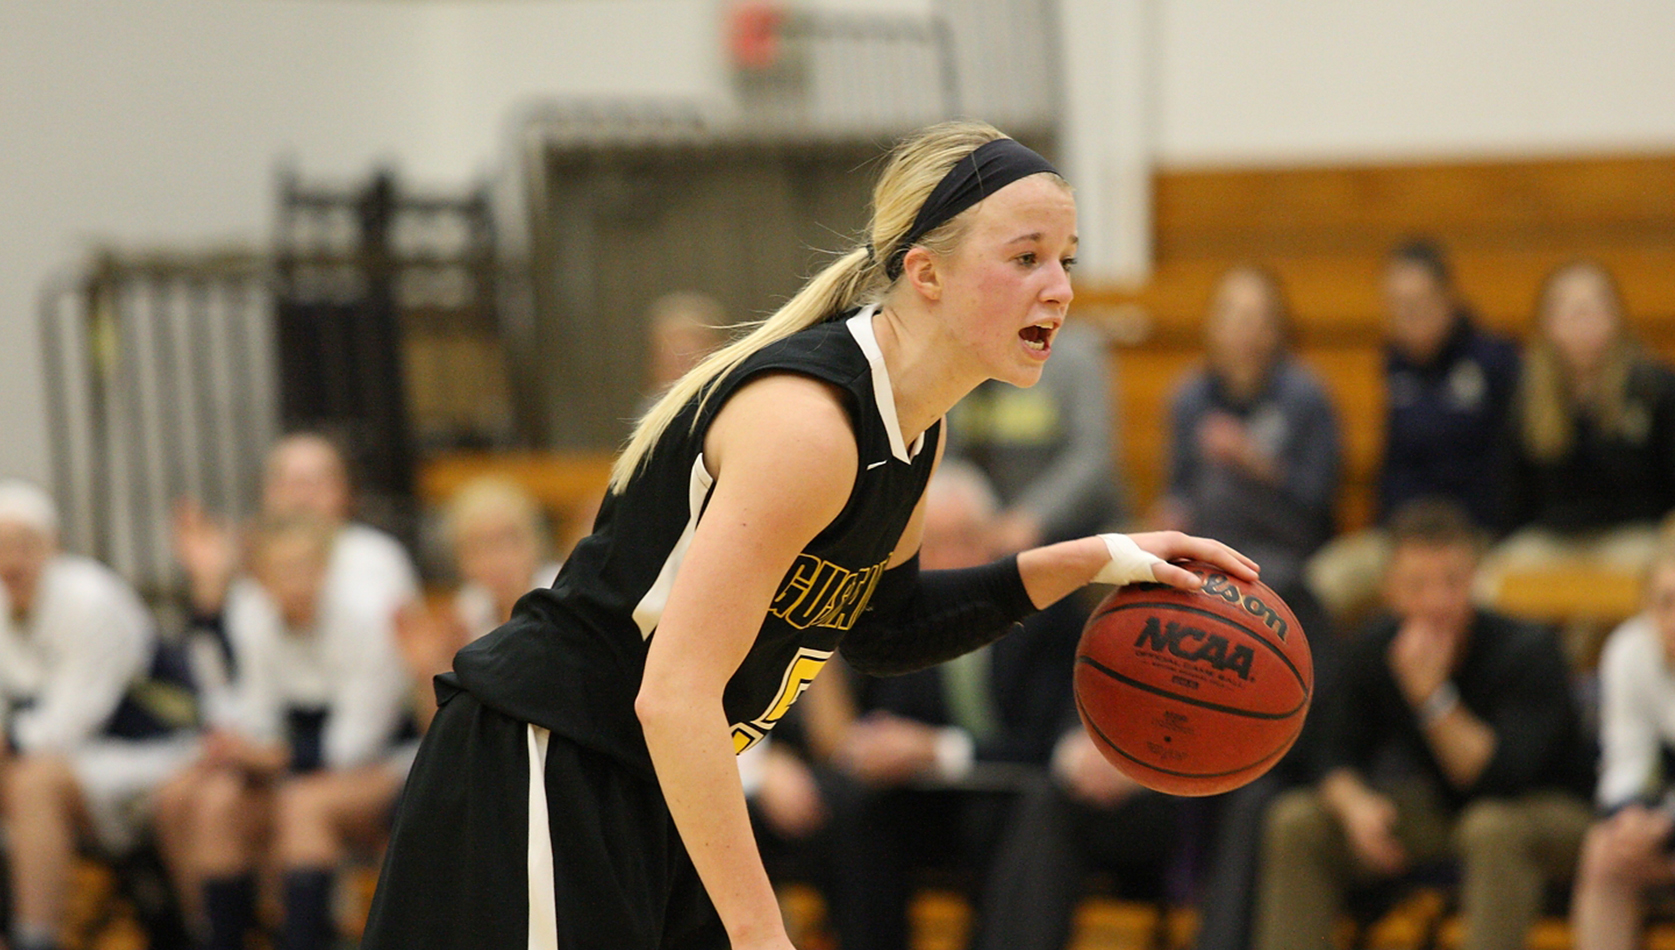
[{"x": 1174, "y": 545}]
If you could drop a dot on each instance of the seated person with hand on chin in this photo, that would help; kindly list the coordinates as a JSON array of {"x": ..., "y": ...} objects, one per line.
[
  {"x": 499, "y": 543},
  {"x": 1452, "y": 733}
]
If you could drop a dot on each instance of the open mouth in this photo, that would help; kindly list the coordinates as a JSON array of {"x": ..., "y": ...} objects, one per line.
[{"x": 1038, "y": 337}]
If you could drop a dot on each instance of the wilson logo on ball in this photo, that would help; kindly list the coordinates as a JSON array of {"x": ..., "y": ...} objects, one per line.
[
  {"x": 1217, "y": 585},
  {"x": 1195, "y": 645}
]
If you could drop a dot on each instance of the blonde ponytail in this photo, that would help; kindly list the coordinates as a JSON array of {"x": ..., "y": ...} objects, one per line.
[{"x": 854, "y": 279}]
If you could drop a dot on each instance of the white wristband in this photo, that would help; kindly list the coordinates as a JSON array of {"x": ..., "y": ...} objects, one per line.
[{"x": 1128, "y": 565}]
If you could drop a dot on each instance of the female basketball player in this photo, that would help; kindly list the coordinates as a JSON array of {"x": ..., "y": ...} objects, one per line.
[{"x": 577, "y": 787}]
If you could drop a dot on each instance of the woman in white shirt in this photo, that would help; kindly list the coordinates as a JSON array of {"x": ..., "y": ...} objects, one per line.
[{"x": 1628, "y": 852}]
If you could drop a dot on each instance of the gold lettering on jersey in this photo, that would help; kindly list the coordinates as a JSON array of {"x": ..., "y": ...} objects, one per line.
[
  {"x": 818, "y": 593},
  {"x": 744, "y": 737},
  {"x": 800, "y": 672}
]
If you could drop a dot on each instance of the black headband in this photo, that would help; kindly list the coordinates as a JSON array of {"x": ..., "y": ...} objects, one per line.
[{"x": 986, "y": 170}]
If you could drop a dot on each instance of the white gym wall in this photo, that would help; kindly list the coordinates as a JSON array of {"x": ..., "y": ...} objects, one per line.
[{"x": 160, "y": 122}]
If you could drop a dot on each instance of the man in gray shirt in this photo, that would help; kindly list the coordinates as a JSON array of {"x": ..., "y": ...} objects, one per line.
[{"x": 1047, "y": 449}]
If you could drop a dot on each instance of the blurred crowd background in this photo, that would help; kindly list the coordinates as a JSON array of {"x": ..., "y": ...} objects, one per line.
[{"x": 321, "y": 319}]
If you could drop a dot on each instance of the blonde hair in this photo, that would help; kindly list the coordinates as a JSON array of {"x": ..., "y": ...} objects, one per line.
[
  {"x": 493, "y": 497},
  {"x": 857, "y": 277},
  {"x": 1547, "y": 401}
]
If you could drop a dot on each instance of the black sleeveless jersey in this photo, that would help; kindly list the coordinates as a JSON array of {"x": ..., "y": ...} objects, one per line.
[{"x": 572, "y": 656}]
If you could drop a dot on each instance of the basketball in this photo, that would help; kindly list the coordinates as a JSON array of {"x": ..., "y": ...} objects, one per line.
[{"x": 1193, "y": 692}]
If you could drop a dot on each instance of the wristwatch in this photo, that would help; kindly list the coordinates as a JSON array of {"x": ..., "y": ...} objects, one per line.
[{"x": 1439, "y": 704}]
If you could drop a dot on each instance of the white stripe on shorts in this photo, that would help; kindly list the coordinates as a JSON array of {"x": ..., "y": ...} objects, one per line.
[{"x": 543, "y": 909}]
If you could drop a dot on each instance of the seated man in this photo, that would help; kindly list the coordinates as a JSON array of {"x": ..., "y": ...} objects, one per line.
[
  {"x": 1048, "y": 449},
  {"x": 927, "y": 764},
  {"x": 79, "y": 754},
  {"x": 1087, "y": 817},
  {"x": 1627, "y": 853},
  {"x": 1452, "y": 733},
  {"x": 1450, "y": 386}
]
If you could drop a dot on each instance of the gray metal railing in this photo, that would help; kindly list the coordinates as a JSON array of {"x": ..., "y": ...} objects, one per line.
[{"x": 160, "y": 386}]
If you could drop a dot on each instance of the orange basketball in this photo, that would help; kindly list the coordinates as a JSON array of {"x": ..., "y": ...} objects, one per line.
[{"x": 1193, "y": 693}]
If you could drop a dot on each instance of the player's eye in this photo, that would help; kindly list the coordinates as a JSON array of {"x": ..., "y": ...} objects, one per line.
[
  {"x": 1027, "y": 258},
  {"x": 1069, "y": 264}
]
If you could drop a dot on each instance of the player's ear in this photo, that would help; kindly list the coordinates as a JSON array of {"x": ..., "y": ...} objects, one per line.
[{"x": 921, "y": 269}]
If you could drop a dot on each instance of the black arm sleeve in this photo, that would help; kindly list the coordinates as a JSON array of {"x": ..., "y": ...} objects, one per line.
[{"x": 917, "y": 620}]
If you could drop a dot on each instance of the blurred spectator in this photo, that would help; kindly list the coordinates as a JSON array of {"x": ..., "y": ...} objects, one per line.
[
  {"x": 1087, "y": 817},
  {"x": 79, "y": 754},
  {"x": 496, "y": 533},
  {"x": 783, "y": 795},
  {"x": 682, "y": 328},
  {"x": 1452, "y": 733},
  {"x": 1594, "y": 465},
  {"x": 1047, "y": 449},
  {"x": 928, "y": 769},
  {"x": 317, "y": 699},
  {"x": 1448, "y": 388},
  {"x": 305, "y": 475},
  {"x": 500, "y": 546},
  {"x": 1254, "y": 448},
  {"x": 1627, "y": 853}
]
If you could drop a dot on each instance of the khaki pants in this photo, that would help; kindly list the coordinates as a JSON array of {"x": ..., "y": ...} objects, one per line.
[{"x": 1508, "y": 849}]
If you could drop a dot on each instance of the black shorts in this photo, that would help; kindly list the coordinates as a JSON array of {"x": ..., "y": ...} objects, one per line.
[{"x": 464, "y": 853}]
